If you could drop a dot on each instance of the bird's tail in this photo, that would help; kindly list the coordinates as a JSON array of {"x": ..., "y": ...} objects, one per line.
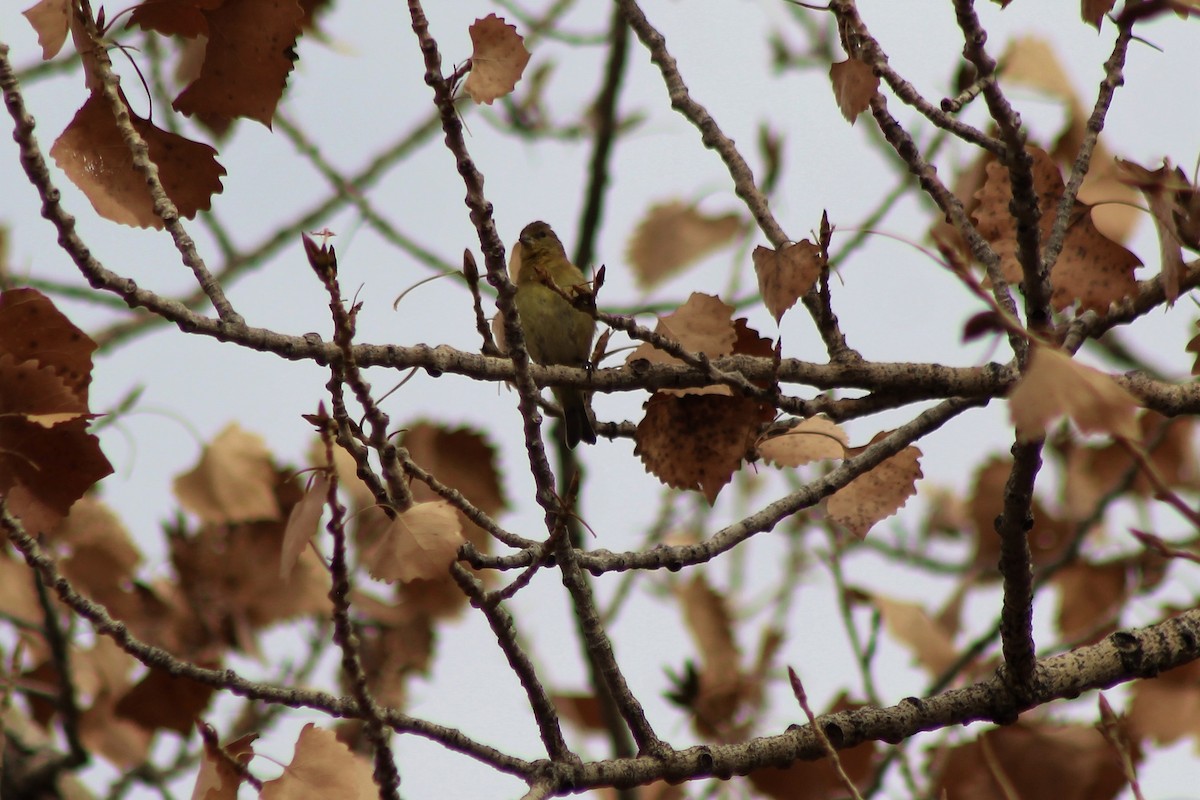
[{"x": 576, "y": 421}]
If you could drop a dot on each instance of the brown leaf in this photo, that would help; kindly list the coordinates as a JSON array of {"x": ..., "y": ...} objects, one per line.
[
  {"x": 234, "y": 481},
  {"x": 1167, "y": 193},
  {"x": 421, "y": 542},
  {"x": 186, "y": 18},
  {"x": 1091, "y": 598},
  {"x": 162, "y": 701},
  {"x": 1193, "y": 346},
  {"x": 877, "y": 493},
  {"x": 1033, "y": 62},
  {"x": 464, "y": 460},
  {"x": 397, "y": 644},
  {"x": 814, "y": 439},
  {"x": 32, "y": 328},
  {"x": 674, "y": 235},
  {"x": 321, "y": 768},
  {"x": 96, "y": 159},
  {"x": 1091, "y": 269},
  {"x": 706, "y": 614},
  {"x": 1114, "y": 204},
  {"x": 52, "y": 20},
  {"x": 581, "y": 710},
  {"x": 246, "y": 62},
  {"x": 931, "y": 642},
  {"x": 1092, "y": 472},
  {"x": 854, "y": 84},
  {"x": 226, "y": 574},
  {"x": 1093, "y": 11},
  {"x": 302, "y": 523},
  {"x": 48, "y": 459},
  {"x": 787, "y": 275},
  {"x": 1054, "y": 384},
  {"x": 1167, "y": 707},
  {"x": 126, "y": 744},
  {"x": 696, "y": 441},
  {"x": 217, "y": 778},
  {"x": 1047, "y": 540},
  {"x": 701, "y": 325},
  {"x": 1033, "y": 761},
  {"x": 18, "y": 594},
  {"x": 95, "y": 551},
  {"x": 498, "y": 59}
]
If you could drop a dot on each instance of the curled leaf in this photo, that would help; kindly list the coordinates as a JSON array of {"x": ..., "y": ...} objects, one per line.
[{"x": 498, "y": 59}]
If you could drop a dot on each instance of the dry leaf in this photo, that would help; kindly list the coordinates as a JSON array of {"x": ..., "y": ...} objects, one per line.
[
  {"x": 421, "y": 542},
  {"x": 1091, "y": 598},
  {"x": 814, "y": 439},
  {"x": 396, "y": 645},
  {"x": 217, "y": 778},
  {"x": 464, "y": 460},
  {"x": 1092, "y": 472},
  {"x": 701, "y": 325},
  {"x": 1033, "y": 761},
  {"x": 95, "y": 552},
  {"x": 33, "y": 329},
  {"x": 1167, "y": 707},
  {"x": 787, "y": 275},
  {"x": 162, "y": 701},
  {"x": 94, "y": 156},
  {"x": 1054, "y": 384},
  {"x": 52, "y": 20},
  {"x": 1047, "y": 540},
  {"x": 234, "y": 481},
  {"x": 302, "y": 523},
  {"x": 1092, "y": 269},
  {"x": 18, "y": 595},
  {"x": 878, "y": 493},
  {"x": 322, "y": 768},
  {"x": 1169, "y": 195},
  {"x": 1033, "y": 62},
  {"x": 228, "y": 577},
  {"x": 673, "y": 235},
  {"x": 186, "y": 18},
  {"x": 854, "y": 84},
  {"x": 706, "y": 614},
  {"x": 48, "y": 459},
  {"x": 247, "y": 60},
  {"x": 1114, "y": 204},
  {"x": 931, "y": 642},
  {"x": 1093, "y": 11},
  {"x": 696, "y": 441},
  {"x": 696, "y": 438},
  {"x": 497, "y": 61},
  {"x": 126, "y": 744},
  {"x": 581, "y": 710}
]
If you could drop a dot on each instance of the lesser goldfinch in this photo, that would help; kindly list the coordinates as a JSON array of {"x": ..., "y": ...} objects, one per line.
[{"x": 556, "y": 333}]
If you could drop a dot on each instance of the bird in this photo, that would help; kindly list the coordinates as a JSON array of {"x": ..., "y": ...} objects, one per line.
[{"x": 556, "y": 333}]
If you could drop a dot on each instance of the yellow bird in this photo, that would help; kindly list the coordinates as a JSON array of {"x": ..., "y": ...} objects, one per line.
[{"x": 556, "y": 333}]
